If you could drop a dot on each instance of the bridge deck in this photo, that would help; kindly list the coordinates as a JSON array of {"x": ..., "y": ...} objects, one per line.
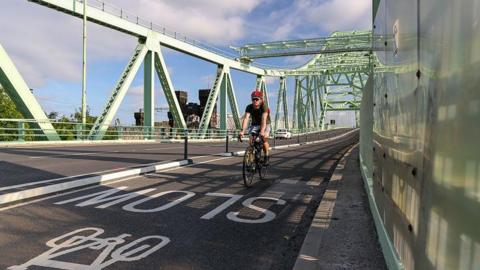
[{"x": 202, "y": 217}]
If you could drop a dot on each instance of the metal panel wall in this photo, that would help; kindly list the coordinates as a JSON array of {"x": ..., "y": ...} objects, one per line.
[{"x": 426, "y": 160}]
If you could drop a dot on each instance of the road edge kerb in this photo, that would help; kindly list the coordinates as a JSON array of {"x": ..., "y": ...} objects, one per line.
[
  {"x": 307, "y": 257},
  {"x": 99, "y": 179}
]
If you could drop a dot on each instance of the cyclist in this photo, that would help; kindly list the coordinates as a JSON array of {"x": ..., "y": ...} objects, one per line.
[{"x": 260, "y": 114}]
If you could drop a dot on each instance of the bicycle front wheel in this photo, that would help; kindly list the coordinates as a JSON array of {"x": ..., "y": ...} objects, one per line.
[{"x": 249, "y": 167}]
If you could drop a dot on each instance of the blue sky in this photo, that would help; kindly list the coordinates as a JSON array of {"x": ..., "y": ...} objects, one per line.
[{"x": 46, "y": 45}]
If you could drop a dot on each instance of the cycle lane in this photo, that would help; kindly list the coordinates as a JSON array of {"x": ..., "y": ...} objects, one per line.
[{"x": 199, "y": 217}]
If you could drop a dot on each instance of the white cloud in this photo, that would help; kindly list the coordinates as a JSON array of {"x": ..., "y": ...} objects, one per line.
[
  {"x": 270, "y": 80},
  {"x": 340, "y": 15},
  {"x": 297, "y": 60},
  {"x": 207, "y": 80},
  {"x": 314, "y": 18},
  {"x": 47, "y": 45}
]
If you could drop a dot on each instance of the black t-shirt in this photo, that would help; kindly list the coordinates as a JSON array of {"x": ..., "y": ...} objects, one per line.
[{"x": 256, "y": 114}]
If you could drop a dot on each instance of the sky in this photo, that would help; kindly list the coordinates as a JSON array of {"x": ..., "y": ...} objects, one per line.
[{"x": 46, "y": 46}]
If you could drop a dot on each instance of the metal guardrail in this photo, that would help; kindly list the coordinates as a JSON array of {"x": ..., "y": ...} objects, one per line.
[{"x": 27, "y": 130}]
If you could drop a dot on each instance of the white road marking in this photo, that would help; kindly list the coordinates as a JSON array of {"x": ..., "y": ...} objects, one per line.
[
  {"x": 151, "y": 149},
  {"x": 223, "y": 206},
  {"x": 103, "y": 184},
  {"x": 63, "y": 194},
  {"x": 268, "y": 215},
  {"x": 103, "y": 179},
  {"x": 114, "y": 249},
  {"x": 67, "y": 155},
  {"x": 85, "y": 174},
  {"x": 95, "y": 153},
  {"x": 131, "y": 206}
]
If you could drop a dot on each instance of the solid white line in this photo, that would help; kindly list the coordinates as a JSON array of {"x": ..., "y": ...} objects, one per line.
[
  {"x": 75, "y": 154},
  {"x": 80, "y": 175},
  {"x": 25, "y": 194},
  {"x": 62, "y": 194},
  {"x": 102, "y": 184},
  {"x": 151, "y": 149}
]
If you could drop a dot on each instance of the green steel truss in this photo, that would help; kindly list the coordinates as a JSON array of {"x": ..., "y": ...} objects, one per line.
[
  {"x": 18, "y": 90},
  {"x": 262, "y": 86},
  {"x": 338, "y": 42},
  {"x": 282, "y": 100},
  {"x": 222, "y": 87},
  {"x": 147, "y": 51},
  {"x": 332, "y": 80},
  {"x": 118, "y": 93}
]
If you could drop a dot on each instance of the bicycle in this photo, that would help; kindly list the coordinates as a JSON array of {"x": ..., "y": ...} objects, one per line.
[{"x": 253, "y": 159}]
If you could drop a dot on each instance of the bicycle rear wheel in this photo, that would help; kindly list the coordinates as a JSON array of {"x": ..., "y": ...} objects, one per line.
[
  {"x": 249, "y": 167},
  {"x": 262, "y": 169}
]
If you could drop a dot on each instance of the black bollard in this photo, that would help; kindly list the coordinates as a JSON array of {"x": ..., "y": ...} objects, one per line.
[
  {"x": 185, "y": 148},
  {"x": 226, "y": 142}
]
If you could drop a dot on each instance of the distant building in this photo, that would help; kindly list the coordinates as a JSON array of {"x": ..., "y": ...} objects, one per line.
[{"x": 193, "y": 112}]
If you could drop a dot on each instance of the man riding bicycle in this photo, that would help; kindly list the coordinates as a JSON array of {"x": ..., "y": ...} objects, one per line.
[{"x": 260, "y": 114}]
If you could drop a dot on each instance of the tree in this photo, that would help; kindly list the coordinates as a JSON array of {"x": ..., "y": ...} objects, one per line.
[
  {"x": 77, "y": 116},
  {"x": 8, "y": 110},
  {"x": 52, "y": 115},
  {"x": 7, "y": 107}
]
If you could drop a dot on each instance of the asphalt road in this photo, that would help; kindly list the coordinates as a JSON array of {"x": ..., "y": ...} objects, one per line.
[
  {"x": 27, "y": 164},
  {"x": 196, "y": 217}
]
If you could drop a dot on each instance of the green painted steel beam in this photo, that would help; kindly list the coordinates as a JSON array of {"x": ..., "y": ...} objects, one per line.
[
  {"x": 223, "y": 100},
  {"x": 148, "y": 92},
  {"x": 282, "y": 104},
  {"x": 262, "y": 86},
  {"x": 115, "y": 18},
  {"x": 169, "y": 90},
  {"x": 103, "y": 121},
  {"x": 354, "y": 41},
  {"x": 375, "y": 5},
  {"x": 211, "y": 101},
  {"x": 26, "y": 103},
  {"x": 233, "y": 102}
]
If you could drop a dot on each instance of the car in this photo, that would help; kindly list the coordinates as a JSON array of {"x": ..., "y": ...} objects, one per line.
[{"x": 283, "y": 134}]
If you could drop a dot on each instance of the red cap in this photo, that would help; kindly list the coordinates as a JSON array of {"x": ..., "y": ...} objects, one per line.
[{"x": 257, "y": 94}]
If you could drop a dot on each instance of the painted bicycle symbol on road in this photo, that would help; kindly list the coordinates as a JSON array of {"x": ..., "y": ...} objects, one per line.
[{"x": 112, "y": 249}]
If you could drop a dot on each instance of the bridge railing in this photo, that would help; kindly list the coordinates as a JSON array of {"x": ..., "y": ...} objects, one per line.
[{"x": 25, "y": 130}]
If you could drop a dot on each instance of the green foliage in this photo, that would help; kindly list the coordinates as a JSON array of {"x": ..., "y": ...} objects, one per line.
[{"x": 8, "y": 110}]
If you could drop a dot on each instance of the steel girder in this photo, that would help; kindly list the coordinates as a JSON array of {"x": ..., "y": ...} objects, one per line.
[
  {"x": 148, "y": 50},
  {"x": 18, "y": 90},
  {"x": 338, "y": 42},
  {"x": 315, "y": 95},
  {"x": 222, "y": 86},
  {"x": 103, "y": 121},
  {"x": 262, "y": 86},
  {"x": 282, "y": 104}
]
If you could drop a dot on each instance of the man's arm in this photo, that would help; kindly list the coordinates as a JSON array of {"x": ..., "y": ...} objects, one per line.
[
  {"x": 245, "y": 119},
  {"x": 263, "y": 125}
]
